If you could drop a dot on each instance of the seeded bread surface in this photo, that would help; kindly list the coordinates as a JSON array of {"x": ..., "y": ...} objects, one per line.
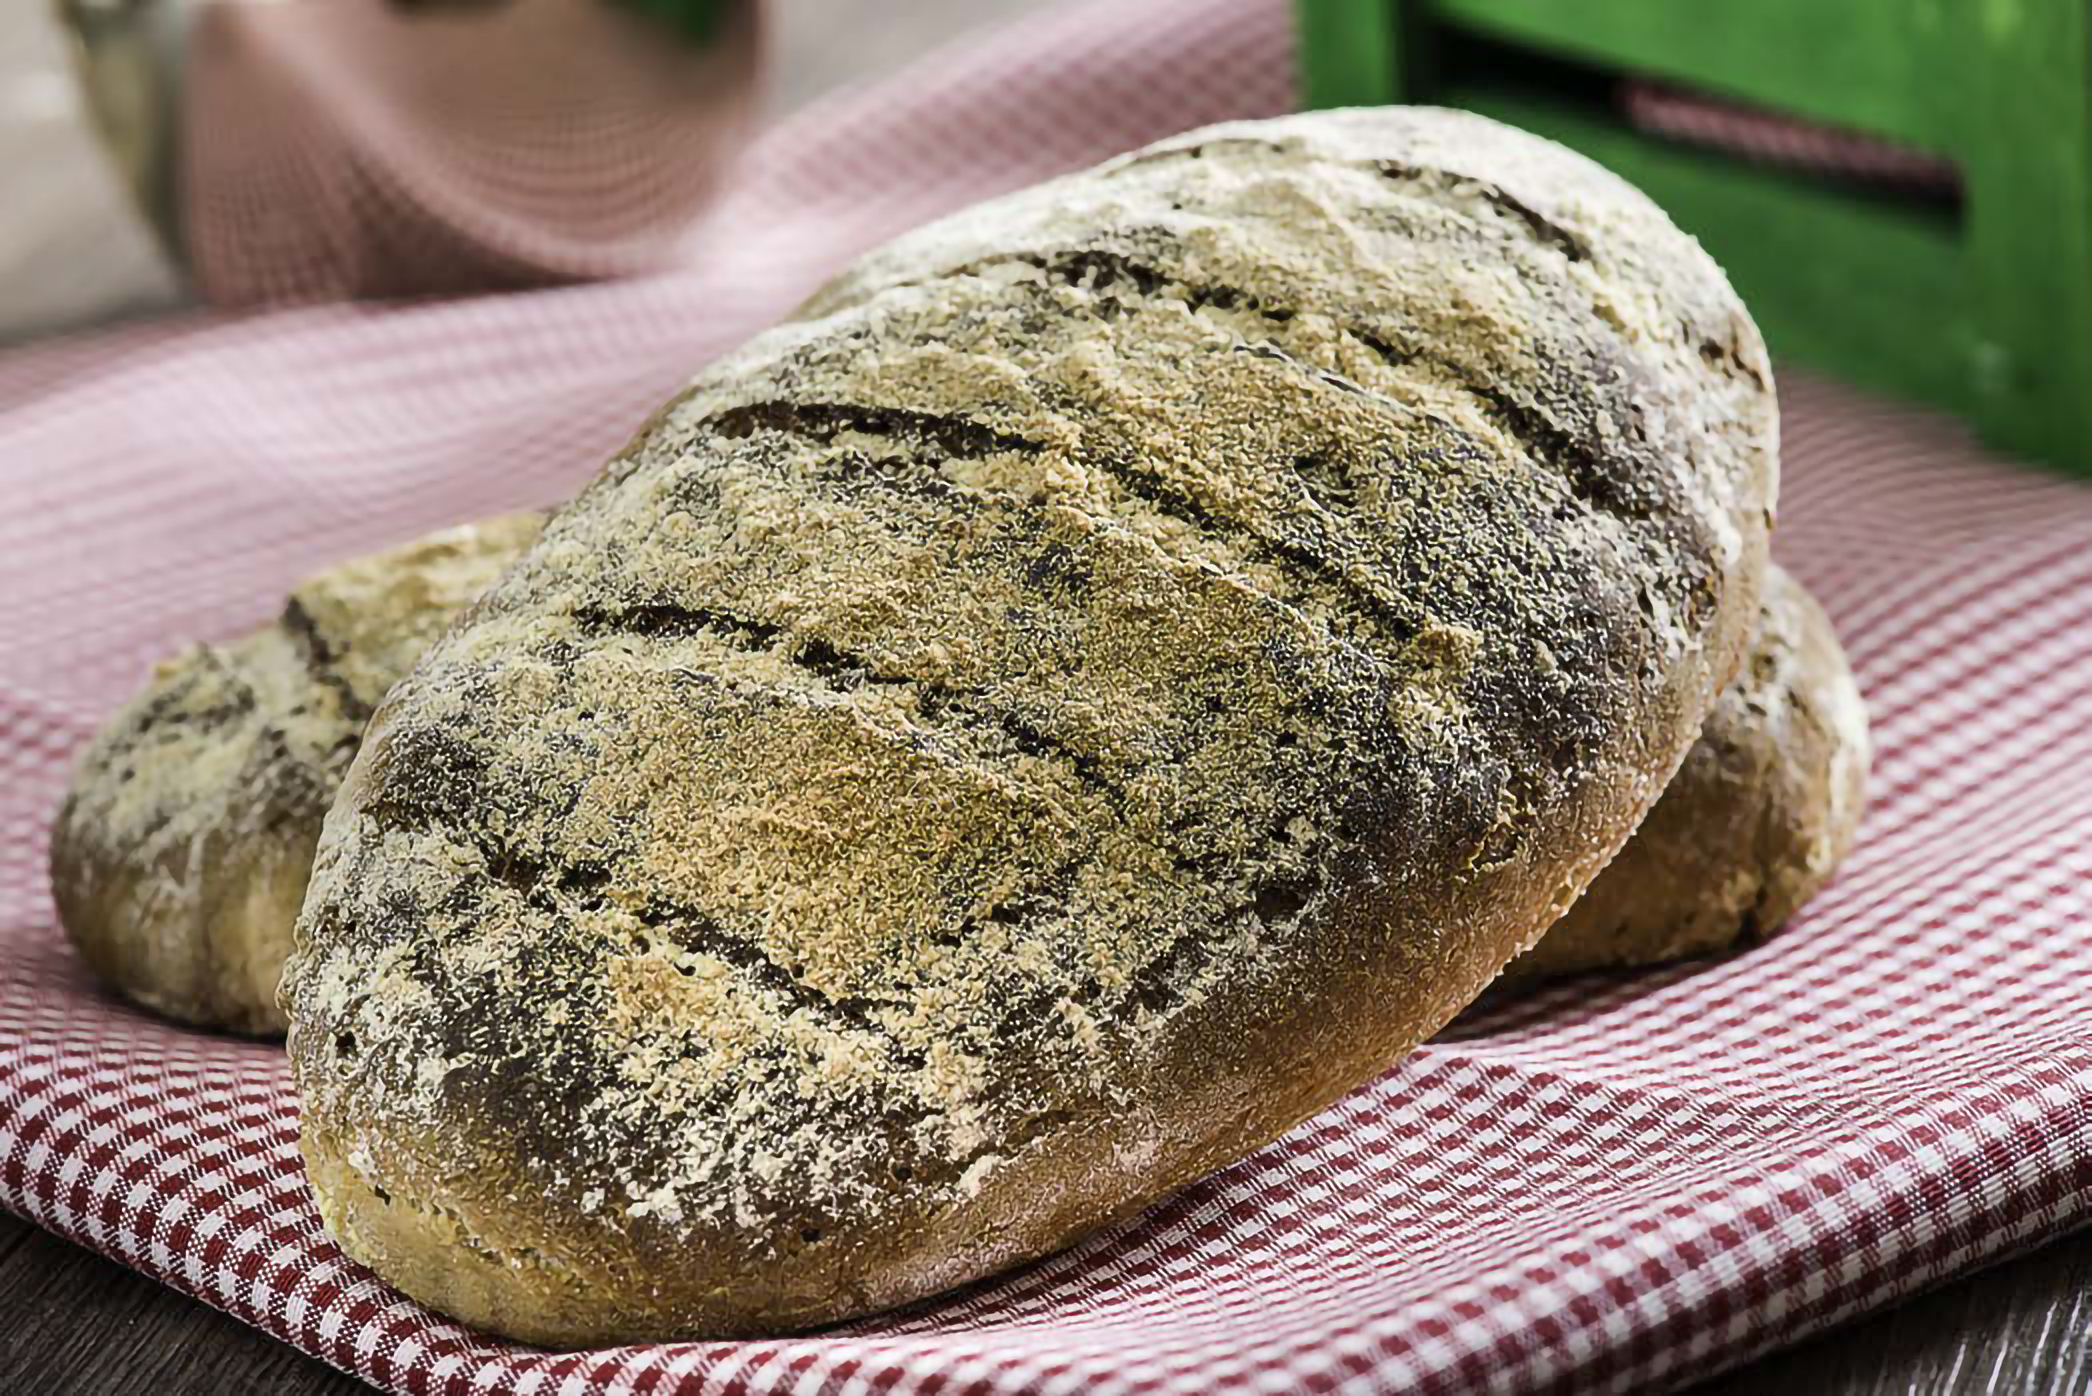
[{"x": 1764, "y": 809}]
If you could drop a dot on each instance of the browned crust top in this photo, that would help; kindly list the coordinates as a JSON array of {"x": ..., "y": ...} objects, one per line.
[{"x": 936, "y": 784}]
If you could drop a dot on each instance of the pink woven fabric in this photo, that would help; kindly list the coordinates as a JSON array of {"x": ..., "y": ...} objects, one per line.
[
  {"x": 340, "y": 150},
  {"x": 1623, "y": 1180},
  {"x": 1837, "y": 153}
]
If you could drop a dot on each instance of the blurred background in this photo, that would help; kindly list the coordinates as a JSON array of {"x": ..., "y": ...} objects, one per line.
[
  {"x": 1901, "y": 191},
  {"x": 77, "y": 250}
]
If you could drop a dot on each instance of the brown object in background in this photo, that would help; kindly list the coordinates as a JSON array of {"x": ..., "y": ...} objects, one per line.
[
  {"x": 1766, "y": 806},
  {"x": 320, "y": 150}
]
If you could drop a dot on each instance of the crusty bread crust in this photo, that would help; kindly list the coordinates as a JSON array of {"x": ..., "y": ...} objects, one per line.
[
  {"x": 1762, "y": 812},
  {"x": 180, "y": 855},
  {"x": 1766, "y": 806},
  {"x": 1118, "y": 671}
]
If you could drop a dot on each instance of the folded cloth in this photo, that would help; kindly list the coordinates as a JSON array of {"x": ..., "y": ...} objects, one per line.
[{"x": 1630, "y": 1180}]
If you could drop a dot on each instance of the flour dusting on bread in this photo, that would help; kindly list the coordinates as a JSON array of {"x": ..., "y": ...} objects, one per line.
[{"x": 1121, "y": 667}]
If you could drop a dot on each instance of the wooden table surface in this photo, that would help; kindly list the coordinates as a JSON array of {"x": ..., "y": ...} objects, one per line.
[
  {"x": 71, "y": 254},
  {"x": 72, "y": 1321}
]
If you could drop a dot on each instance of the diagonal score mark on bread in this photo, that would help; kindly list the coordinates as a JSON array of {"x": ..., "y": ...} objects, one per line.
[
  {"x": 1121, "y": 668},
  {"x": 182, "y": 852}
]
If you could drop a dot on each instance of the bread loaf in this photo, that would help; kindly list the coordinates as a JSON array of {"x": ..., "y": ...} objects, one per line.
[
  {"x": 1126, "y": 665},
  {"x": 180, "y": 854},
  {"x": 1764, "y": 809}
]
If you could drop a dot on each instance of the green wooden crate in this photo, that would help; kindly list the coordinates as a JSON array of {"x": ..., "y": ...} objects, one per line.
[{"x": 1984, "y": 309}]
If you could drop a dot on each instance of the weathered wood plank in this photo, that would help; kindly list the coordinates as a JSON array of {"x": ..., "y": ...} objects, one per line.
[
  {"x": 1348, "y": 53},
  {"x": 2028, "y": 166},
  {"x": 2022, "y": 1329},
  {"x": 73, "y": 1321},
  {"x": 1871, "y": 64}
]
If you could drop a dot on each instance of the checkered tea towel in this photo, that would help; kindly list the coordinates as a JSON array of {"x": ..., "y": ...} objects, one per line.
[{"x": 1625, "y": 1180}]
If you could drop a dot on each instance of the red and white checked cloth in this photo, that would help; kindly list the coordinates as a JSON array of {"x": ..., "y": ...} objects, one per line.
[{"x": 1618, "y": 1181}]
